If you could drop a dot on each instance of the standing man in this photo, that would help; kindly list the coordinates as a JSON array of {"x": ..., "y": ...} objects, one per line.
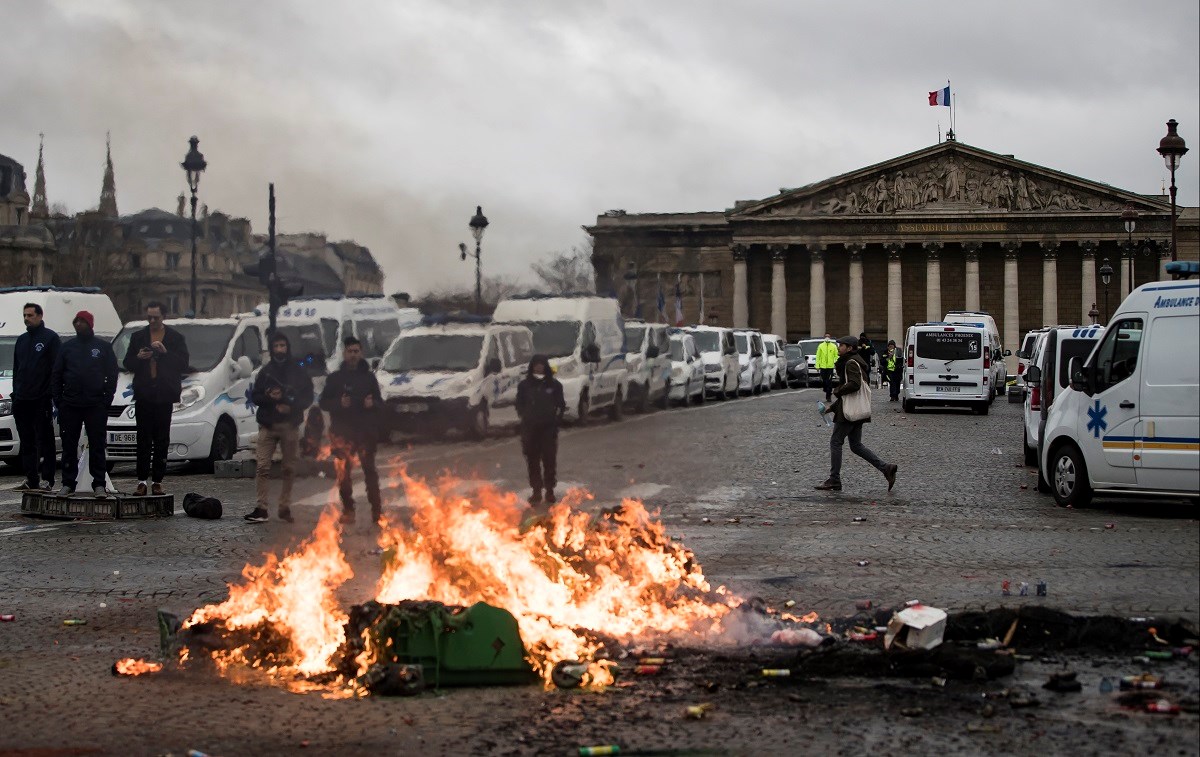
[
  {"x": 82, "y": 384},
  {"x": 892, "y": 369},
  {"x": 352, "y": 399},
  {"x": 33, "y": 362},
  {"x": 282, "y": 390},
  {"x": 157, "y": 357},
  {"x": 540, "y": 406},
  {"x": 853, "y": 371},
  {"x": 827, "y": 355}
]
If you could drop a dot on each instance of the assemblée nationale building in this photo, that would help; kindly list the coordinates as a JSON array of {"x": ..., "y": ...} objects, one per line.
[{"x": 875, "y": 250}]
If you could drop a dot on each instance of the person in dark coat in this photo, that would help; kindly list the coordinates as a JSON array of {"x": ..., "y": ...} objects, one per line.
[
  {"x": 33, "y": 362},
  {"x": 540, "y": 406},
  {"x": 82, "y": 384},
  {"x": 892, "y": 367},
  {"x": 852, "y": 370},
  {"x": 866, "y": 351},
  {"x": 158, "y": 358},
  {"x": 281, "y": 391},
  {"x": 351, "y": 397}
]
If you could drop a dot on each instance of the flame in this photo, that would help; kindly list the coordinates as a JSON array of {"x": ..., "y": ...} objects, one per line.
[
  {"x": 294, "y": 596},
  {"x": 131, "y": 666}
]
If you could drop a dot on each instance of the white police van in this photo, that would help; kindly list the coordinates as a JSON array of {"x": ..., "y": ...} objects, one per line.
[
  {"x": 648, "y": 362},
  {"x": 214, "y": 417},
  {"x": 584, "y": 337},
  {"x": 947, "y": 364},
  {"x": 1130, "y": 422},
  {"x": 454, "y": 373},
  {"x": 720, "y": 355}
]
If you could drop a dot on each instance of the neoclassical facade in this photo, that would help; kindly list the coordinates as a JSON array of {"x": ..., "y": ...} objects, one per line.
[{"x": 947, "y": 227}]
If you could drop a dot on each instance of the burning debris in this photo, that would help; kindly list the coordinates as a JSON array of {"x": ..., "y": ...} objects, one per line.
[{"x": 134, "y": 667}]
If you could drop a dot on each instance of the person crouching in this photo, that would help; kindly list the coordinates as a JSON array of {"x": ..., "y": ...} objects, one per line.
[{"x": 540, "y": 406}]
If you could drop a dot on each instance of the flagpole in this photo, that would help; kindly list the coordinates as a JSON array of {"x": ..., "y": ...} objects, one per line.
[{"x": 951, "y": 105}]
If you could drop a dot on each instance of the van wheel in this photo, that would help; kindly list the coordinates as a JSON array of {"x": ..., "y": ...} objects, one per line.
[
  {"x": 224, "y": 444},
  {"x": 479, "y": 422},
  {"x": 617, "y": 411},
  {"x": 643, "y": 405},
  {"x": 1068, "y": 477},
  {"x": 982, "y": 407},
  {"x": 702, "y": 397},
  {"x": 584, "y": 409},
  {"x": 1030, "y": 454},
  {"x": 1003, "y": 388},
  {"x": 665, "y": 402},
  {"x": 687, "y": 394},
  {"x": 909, "y": 406}
]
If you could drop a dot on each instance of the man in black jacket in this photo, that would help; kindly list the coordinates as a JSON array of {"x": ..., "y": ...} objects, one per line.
[
  {"x": 157, "y": 357},
  {"x": 282, "y": 390},
  {"x": 351, "y": 397},
  {"x": 33, "y": 362},
  {"x": 540, "y": 406},
  {"x": 82, "y": 384}
]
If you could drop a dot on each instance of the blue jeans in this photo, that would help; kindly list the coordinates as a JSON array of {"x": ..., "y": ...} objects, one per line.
[{"x": 841, "y": 431}]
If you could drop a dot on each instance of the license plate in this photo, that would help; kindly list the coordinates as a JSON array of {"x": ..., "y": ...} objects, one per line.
[
  {"x": 412, "y": 407},
  {"x": 948, "y": 388},
  {"x": 122, "y": 437}
]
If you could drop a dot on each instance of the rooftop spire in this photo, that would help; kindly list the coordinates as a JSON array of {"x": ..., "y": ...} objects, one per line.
[
  {"x": 108, "y": 191},
  {"x": 39, "y": 209}
]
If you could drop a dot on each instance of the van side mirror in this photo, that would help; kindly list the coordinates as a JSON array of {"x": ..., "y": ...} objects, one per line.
[
  {"x": 492, "y": 366},
  {"x": 1079, "y": 377},
  {"x": 652, "y": 351},
  {"x": 591, "y": 353},
  {"x": 243, "y": 368},
  {"x": 374, "y": 362},
  {"x": 1008, "y": 353},
  {"x": 1033, "y": 375}
]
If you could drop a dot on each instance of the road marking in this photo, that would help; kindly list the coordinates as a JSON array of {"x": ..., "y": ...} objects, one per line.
[{"x": 31, "y": 528}]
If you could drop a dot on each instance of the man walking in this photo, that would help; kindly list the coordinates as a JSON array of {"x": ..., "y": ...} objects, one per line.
[
  {"x": 891, "y": 364},
  {"x": 82, "y": 384},
  {"x": 352, "y": 399},
  {"x": 157, "y": 357},
  {"x": 282, "y": 390},
  {"x": 827, "y": 355},
  {"x": 853, "y": 372},
  {"x": 33, "y": 362},
  {"x": 540, "y": 406}
]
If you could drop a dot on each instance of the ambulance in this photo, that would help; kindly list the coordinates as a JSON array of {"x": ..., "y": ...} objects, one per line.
[
  {"x": 1129, "y": 424},
  {"x": 947, "y": 364}
]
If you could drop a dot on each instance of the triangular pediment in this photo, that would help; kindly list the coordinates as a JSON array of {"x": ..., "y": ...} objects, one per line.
[{"x": 948, "y": 178}]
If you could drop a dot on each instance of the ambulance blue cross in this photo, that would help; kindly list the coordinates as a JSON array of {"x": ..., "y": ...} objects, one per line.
[{"x": 1096, "y": 422}]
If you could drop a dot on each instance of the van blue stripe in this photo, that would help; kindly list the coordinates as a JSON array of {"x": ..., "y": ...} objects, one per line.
[{"x": 1176, "y": 286}]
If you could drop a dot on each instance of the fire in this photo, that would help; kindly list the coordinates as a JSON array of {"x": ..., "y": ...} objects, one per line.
[
  {"x": 294, "y": 598},
  {"x": 131, "y": 666}
]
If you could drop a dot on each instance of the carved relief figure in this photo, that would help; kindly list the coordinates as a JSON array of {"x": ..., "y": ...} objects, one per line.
[
  {"x": 930, "y": 187},
  {"x": 883, "y": 200},
  {"x": 955, "y": 181},
  {"x": 1035, "y": 195},
  {"x": 1023, "y": 193}
]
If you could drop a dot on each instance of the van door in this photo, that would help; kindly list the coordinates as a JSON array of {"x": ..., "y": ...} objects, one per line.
[
  {"x": 248, "y": 344},
  {"x": 1167, "y": 455},
  {"x": 514, "y": 356},
  {"x": 1108, "y": 432}
]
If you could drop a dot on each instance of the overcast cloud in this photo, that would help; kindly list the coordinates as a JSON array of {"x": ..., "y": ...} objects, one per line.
[{"x": 388, "y": 121}]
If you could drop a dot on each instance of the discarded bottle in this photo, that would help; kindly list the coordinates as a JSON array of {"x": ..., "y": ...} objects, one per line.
[
  {"x": 653, "y": 661},
  {"x": 1041, "y": 588},
  {"x": 821, "y": 408},
  {"x": 1155, "y": 654},
  {"x": 74, "y": 622},
  {"x": 568, "y": 674},
  {"x": 1023, "y": 589},
  {"x": 1006, "y": 588},
  {"x": 1162, "y": 706},
  {"x": 648, "y": 670},
  {"x": 7, "y": 618},
  {"x": 1144, "y": 681},
  {"x": 597, "y": 751},
  {"x": 863, "y": 563},
  {"x": 1106, "y": 686},
  {"x": 776, "y": 673}
]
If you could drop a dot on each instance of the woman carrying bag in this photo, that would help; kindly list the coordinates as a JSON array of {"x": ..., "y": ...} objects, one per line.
[{"x": 851, "y": 410}]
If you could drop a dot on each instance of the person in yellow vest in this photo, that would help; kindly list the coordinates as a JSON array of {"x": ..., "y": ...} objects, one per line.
[
  {"x": 827, "y": 356},
  {"x": 891, "y": 370}
]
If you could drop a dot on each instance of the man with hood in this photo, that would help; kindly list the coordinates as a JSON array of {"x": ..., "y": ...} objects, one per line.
[
  {"x": 351, "y": 397},
  {"x": 157, "y": 357},
  {"x": 82, "y": 384},
  {"x": 852, "y": 370},
  {"x": 281, "y": 391},
  {"x": 540, "y": 406},
  {"x": 33, "y": 361}
]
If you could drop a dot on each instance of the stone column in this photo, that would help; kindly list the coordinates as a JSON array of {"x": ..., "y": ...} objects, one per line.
[
  {"x": 856, "y": 288},
  {"x": 1127, "y": 258},
  {"x": 895, "y": 303},
  {"x": 1164, "y": 257},
  {"x": 1088, "y": 277},
  {"x": 971, "y": 257},
  {"x": 933, "y": 281},
  {"x": 816, "y": 291},
  {"x": 1012, "y": 295},
  {"x": 778, "y": 289},
  {"x": 741, "y": 304},
  {"x": 1049, "y": 283}
]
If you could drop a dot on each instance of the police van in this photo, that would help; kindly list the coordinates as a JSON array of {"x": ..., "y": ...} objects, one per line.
[
  {"x": 454, "y": 373},
  {"x": 1130, "y": 422},
  {"x": 947, "y": 364},
  {"x": 648, "y": 362},
  {"x": 720, "y": 355},
  {"x": 214, "y": 417}
]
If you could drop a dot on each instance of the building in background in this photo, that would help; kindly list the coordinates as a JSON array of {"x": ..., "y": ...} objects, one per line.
[{"x": 27, "y": 250}]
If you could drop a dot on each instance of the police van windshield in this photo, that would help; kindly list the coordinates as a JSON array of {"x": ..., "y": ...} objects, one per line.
[
  {"x": 634, "y": 336},
  {"x": 308, "y": 346},
  {"x": 677, "y": 350},
  {"x": 554, "y": 338},
  {"x": 207, "y": 343},
  {"x": 7, "y": 345},
  {"x": 948, "y": 345},
  {"x": 434, "y": 352},
  {"x": 707, "y": 341},
  {"x": 743, "y": 343}
]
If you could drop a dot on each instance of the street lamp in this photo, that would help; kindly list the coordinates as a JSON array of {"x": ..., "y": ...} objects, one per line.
[
  {"x": 194, "y": 165},
  {"x": 1106, "y": 273},
  {"x": 1172, "y": 149},
  {"x": 1130, "y": 217},
  {"x": 1094, "y": 314},
  {"x": 478, "y": 223}
]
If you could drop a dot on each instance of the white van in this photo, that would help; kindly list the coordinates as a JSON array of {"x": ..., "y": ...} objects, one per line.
[
  {"x": 1130, "y": 422},
  {"x": 946, "y": 364},
  {"x": 455, "y": 373},
  {"x": 648, "y": 362},
  {"x": 719, "y": 352},
  {"x": 214, "y": 418},
  {"x": 1047, "y": 375},
  {"x": 687, "y": 369},
  {"x": 59, "y": 306},
  {"x": 774, "y": 360},
  {"x": 999, "y": 368},
  {"x": 584, "y": 337},
  {"x": 1025, "y": 355},
  {"x": 751, "y": 373}
]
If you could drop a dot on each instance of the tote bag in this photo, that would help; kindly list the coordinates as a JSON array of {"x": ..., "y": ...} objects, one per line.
[{"x": 857, "y": 407}]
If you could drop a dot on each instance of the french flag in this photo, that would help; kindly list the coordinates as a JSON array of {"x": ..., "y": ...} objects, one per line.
[{"x": 940, "y": 96}]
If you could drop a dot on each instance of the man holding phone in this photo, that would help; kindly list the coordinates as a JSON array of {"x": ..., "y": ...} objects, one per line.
[{"x": 158, "y": 358}]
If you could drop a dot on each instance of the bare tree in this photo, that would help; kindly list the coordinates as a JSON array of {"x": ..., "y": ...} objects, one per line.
[
  {"x": 570, "y": 271},
  {"x": 462, "y": 299}
]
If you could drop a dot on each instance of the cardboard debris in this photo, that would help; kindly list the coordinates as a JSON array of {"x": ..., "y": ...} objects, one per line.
[{"x": 916, "y": 627}]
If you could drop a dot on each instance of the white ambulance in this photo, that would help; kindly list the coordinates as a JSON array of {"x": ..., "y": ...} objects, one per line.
[
  {"x": 947, "y": 364},
  {"x": 999, "y": 368},
  {"x": 1129, "y": 425},
  {"x": 584, "y": 337}
]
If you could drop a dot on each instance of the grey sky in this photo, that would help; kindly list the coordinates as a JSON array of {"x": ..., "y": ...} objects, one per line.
[{"x": 388, "y": 121}]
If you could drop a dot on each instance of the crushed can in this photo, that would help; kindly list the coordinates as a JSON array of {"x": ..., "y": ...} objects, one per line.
[
  {"x": 648, "y": 670},
  {"x": 1006, "y": 588},
  {"x": 1163, "y": 707},
  {"x": 1041, "y": 588},
  {"x": 776, "y": 673},
  {"x": 1023, "y": 589}
]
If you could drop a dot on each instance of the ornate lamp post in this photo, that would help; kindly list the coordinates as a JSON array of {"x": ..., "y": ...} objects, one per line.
[
  {"x": 1130, "y": 217},
  {"x": 1106, "y": 272},
  {"x": 194, "y": 165},
  {"x": 478, "y": 223},
  {"x": 1172, "y": 148},
  {"x": 1094, "y": 314}
]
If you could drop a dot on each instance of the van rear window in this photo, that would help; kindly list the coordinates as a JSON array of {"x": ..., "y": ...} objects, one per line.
[{"x": 948, "y": 345}]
